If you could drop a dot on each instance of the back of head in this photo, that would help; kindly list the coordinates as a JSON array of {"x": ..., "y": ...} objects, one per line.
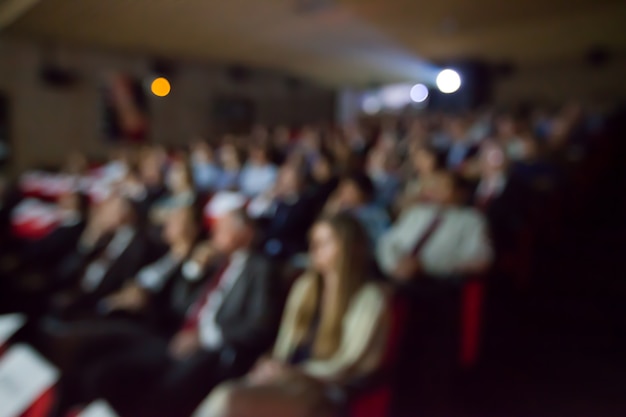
[{"x": 363, "y": 184}]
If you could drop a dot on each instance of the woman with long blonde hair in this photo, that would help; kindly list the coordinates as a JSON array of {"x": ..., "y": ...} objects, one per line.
[{"x": 333, "y": 331}]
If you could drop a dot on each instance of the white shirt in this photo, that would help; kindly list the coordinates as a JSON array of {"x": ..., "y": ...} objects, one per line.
[
  {"x": 154, "y": 276},
  {"x": 97, "y": 269},
  {"x": 210, "y": 333},
  {"x": 460, "y": 238}
]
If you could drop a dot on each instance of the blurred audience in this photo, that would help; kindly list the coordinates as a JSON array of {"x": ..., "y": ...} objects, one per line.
[
  {"x": 148, "y": 306},
  {"x": 110, "y": 250},
  {"x": 231, "y": 323}
]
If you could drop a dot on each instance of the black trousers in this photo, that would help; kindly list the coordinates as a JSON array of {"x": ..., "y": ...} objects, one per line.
[
  {"x": 130, "y": 367},
  {"x": 144, "y": 380}
]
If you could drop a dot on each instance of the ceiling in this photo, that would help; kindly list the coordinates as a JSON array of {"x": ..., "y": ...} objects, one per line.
[{"x": 353, "y": 41}]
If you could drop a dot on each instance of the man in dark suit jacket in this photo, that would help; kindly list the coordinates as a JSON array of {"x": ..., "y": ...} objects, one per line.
[
  {"x": 503, "y": 199},
  {"x": 287, "y": 213},
  {"x": 233, "y": 321},
  {"x": 111, "y": 250}
]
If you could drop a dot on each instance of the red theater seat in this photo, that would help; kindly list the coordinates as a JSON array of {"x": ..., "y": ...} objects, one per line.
[
  {"x": 375, "y": 401},
  {"x": 472, "y": 304}
]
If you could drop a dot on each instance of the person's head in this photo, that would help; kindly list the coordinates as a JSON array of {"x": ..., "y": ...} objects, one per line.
[
  {"x": 74, "y": 202},
  {"x": 355, "y": 190},
  {"x": 380, "y": 161},
  {"x": 281, "y": 136},
  {"x": 322, "y": 169},
  {"x": 493, "y": 159},
  {"x": 457, "y": 128},
  {"x": 229, "y": 157},
  {"x": 505, "y": 127},
  {"x": 445, "y": 188},
  {"x": 181, "y": 226},
  {"x": 425, "y": 160},
  {"x": 233, "y": 231},
  {"x": 296, "y": 158},
  {"x": 201, "y": 153},
  {"x": 118, "y": 211},
  {"x": 259, "y": 155},
  {"x": 151, "y": 168},
  {"x": 290, "y": 180},
  {"x": 340, "y": 258},
  {"x": 179, "y": 177}
]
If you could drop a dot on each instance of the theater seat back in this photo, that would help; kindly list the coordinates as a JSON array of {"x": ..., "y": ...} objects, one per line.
[{"x": 376, "y": 402}]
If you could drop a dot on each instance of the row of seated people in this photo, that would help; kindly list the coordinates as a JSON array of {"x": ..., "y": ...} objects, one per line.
[
  {"x": 153, "y": 328},
  {"x": 112, "y": 247}
]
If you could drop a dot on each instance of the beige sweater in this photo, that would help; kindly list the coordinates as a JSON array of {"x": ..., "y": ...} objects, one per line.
[{"x": 363, "y": 340}]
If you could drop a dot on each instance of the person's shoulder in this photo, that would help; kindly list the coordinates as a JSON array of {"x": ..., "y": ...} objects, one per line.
[
  {"x": 470, "y": 214},
  {"x": 419, "y": 210}
]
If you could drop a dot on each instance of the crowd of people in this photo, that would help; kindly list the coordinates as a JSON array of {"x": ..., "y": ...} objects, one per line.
[{"x": 283, "y": 304}]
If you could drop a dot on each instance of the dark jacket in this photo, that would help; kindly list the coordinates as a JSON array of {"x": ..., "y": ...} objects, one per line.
[
  {"x": 47, "y": 251},
  {"x": 286, "y": 232},
  {"x": 250, "y": 314},
  {"x": 122, "y": 268},
  {"x": 507, "y": 214}
]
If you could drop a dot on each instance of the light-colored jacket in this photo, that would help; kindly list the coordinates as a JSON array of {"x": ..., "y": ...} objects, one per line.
[
  {"x": 363, "y": 340},
  {"x": 460, "y": 239}
]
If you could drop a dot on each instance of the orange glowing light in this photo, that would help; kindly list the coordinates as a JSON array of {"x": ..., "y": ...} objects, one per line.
[{"x": 161, "y": 87}]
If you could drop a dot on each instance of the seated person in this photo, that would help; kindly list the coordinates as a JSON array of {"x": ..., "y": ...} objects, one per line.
[
  {"x": 355, "y": 194},
  {"x": 110, "y": 250},
  {"x": 230, "y": 164},
  {"x": 180, "y": 234},
  {"x": 259, "y": 174},
  {"x": 180, "y": 191},
  {"x": 462, "y": 146},
  {"x": 324, "y": 178},
  {"x": 231, "y": 323},
  {"x": 425, "y": 163},
  {"x": 428, "y": 251},
  {"x": 333, "y": 331},
  {"x": 288, "y": 213},
  {"x": 381, "y": 170},
  {"x": 144, "y": 186},
  {"x": 205, "y": 171},
  {"x": 440, "y": 240},
  {"x": 501, "y": 197},
  {"x": 47, "y": 251}
]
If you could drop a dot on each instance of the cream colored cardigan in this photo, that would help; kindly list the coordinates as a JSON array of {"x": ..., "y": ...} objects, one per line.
[{"x": 364, "y": 335}]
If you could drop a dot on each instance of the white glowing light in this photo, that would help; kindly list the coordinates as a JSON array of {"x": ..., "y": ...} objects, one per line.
[
  {"x": 448, "y": 81},
  {"x": 371, "y": 105},
  {"x": 419, "y": 93},
  {"x": 395, "y": 96}
]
